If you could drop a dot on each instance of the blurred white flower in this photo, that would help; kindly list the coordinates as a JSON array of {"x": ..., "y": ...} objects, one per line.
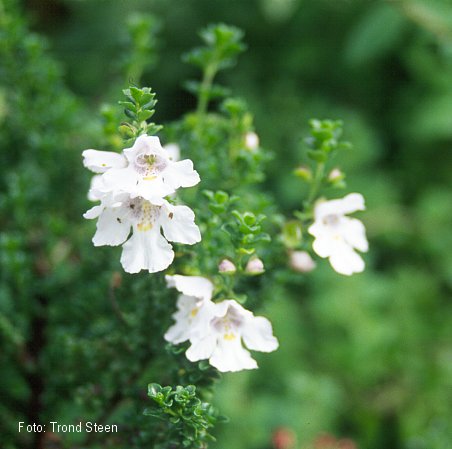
[
  {"x": 226, "y": 266},
  {"x": 301, "y": 261},
  {"x": 173, "y": 151},
  {"x": 255, "y": 266},
  {"x": 145, "y": 170},
  {"x": 337, "y": 236},
  {"x": 230, "y": 327},
  {"x": 251, "y": 141},
  {"x": 217, "y": 332},
  {"x": 146, "y": 249}
]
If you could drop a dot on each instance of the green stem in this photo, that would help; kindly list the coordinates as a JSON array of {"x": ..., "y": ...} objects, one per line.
[
  {"x": 316, "y": 183},
  {"x": 229, "y": 283},
  {"x": 206, "y": 84}
]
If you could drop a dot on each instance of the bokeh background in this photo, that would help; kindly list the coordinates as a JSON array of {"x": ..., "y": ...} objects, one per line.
[{"x": 365, "y": 362}]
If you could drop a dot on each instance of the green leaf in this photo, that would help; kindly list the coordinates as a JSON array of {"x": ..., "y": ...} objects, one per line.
[
  {"x": 136, "y": 94},
  {"x": 130, "y": 114},
  {"x": 376, "y": 34},
  {"x": 318, "y": 156},
  {"x": 144, "y": 115},
  {"x": 154, "y": 389}
]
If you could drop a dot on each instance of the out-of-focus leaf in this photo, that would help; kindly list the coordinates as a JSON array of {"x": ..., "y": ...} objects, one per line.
[{"x": 376, "y": 34}]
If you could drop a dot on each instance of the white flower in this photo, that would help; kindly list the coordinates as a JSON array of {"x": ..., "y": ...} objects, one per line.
[
  {"x": 146, "y": 249},
  {"x": 195, "y": 308},
  {"x": 145, "y": 170},
  {"x": 173, "y": 151},
  {"x": 251, "y": 141},
  {"x": 337, "y": 236},
  {"x": 217, "y": 331},
  {"x": 230, "y": 328},
  {"x": 301, "y": 261}
]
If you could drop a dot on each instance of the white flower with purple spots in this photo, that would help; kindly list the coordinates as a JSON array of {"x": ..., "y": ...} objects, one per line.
[
  {"x": 231, "y": 329},
  {"x": 145, "y": 170},
  {"x": 222, "y": 333},
  {"x": 146, "y": 249}
]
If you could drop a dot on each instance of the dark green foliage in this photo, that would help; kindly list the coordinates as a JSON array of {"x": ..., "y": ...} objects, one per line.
[
  {"x": 367, "y": 357},
  {"x": 189, "y": 419}
]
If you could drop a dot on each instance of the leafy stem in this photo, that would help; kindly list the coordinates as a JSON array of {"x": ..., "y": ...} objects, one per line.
[
  {"x": 204, "y": 91},
  {"x": 316, "y": 183}
]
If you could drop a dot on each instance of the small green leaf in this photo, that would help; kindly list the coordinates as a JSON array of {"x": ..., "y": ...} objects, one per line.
[
  {"x": 130, "y": 114},
  {"x": 318, "y": 156},
  {"x": 144, "y": 115},
  {"x": 154, "y": 389},
  {"x": 136, "y": 94}
]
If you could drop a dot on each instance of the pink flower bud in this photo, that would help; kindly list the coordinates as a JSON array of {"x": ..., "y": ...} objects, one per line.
[
  {"x": 255, "y": 266},
  {"x": 301, "y": 261},
  {"x": 335, "y": 175},
  {"x": 226, "y": 266}
]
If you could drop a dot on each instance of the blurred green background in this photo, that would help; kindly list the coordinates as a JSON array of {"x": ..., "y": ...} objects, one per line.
[{"x": 366, "y": 359}]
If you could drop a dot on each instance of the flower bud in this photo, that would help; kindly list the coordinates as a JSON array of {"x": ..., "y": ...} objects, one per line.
[
  {"x": 292, "y": 233},
  {"x": 336, "y": 176},
  {"x": 255, "y": 266},
  {"x": 304, "y": 173},
  {"x": 301, "y": 261},
  {"x": 251, "y": 141},
  {"x": 226, "y": 266}
]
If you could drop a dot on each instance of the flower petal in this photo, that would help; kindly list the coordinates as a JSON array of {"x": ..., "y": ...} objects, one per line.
[
  {"x": 95, "y": 190},
  {"x": 257, "y": 334},
  {"x": 230, "y": 355},
  {"x": 354, "y": 233},
  {"x": 101, "y": 161},
  {"x": 177, "y": 333},
  {"x": 350, "y": 203},
  {"x": 181, "y": 174},
  {"x": 146, "y": 250},
  {"x": 178, "y": 225},
  {"x": 173, "y": 151},
  {"x": 324, "y": 245},
  {"x": 153, "y": 190},
  {"x": 196, "y": 286},
  {"x": 202, "y": 348},
  {"x": 122, "y": 179},
  {"x": 181, "y": 330},
  {"x": 94, "y": 212},
  {"x": 111, "y": 229},
  {"x": 346, "y": 261},
  {"x": 317, "y": 229},
  {"x": 144, "y": 144}
]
